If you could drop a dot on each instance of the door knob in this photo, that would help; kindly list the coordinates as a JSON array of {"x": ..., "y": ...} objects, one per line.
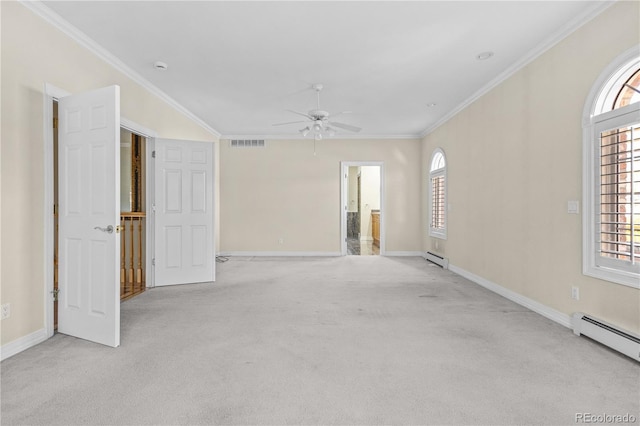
[{"x": 108, "y": 229}]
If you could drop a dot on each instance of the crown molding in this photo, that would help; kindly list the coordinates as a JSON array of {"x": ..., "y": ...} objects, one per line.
[
  {"x": 532, "y": 55},
  {"x": 81, "y": 38},
  {"x": 336, "y": 137}
]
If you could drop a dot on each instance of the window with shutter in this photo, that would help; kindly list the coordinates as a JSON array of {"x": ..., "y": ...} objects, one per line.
[
  {"x": 611, "y": 247},
  {"x": 438, "y": 195}
]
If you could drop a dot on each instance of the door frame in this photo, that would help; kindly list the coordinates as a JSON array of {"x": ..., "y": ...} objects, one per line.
[
  {"x": 52, "y": 93},
  {"x": 344, "y": 203}
]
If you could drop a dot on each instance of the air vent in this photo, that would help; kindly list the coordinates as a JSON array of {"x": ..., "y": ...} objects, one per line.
[{"x": 247, "y": 143}]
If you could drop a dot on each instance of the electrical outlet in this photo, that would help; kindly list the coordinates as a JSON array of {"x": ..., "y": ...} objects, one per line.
[
  {"x": 575, "y": 293},
  {"x": 280, "y": 240},
  {"x": 6, "y": 311}
]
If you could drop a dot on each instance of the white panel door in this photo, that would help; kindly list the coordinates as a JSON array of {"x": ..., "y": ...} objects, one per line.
[
  {"x": 183, "y": 212},
  {"x": 89, "y": 186}
]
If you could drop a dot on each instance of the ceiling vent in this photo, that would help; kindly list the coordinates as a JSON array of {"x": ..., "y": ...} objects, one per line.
[{"x": 247, "y": 143}]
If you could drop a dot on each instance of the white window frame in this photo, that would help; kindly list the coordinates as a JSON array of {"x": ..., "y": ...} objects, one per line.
[
  {"x": 437, "y": 173},
  {"x": 598, "y": 117}
]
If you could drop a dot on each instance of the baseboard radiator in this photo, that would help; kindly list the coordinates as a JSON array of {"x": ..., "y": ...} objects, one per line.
[
  {"x": 438, "y": 260},
  {"x": 622, "y": 341}
]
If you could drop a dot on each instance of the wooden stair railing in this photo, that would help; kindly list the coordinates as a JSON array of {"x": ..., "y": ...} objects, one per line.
[{"x": 132, "y": 279}]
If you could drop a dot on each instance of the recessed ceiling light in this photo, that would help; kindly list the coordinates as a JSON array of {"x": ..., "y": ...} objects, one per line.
[
  {"x": 484, "y": 56},
  {"x": 160, "y": 66},
  {"x": 431, "y": 105}
]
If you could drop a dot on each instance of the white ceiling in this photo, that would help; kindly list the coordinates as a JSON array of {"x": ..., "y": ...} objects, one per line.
[{"x": 240, "y": 65}]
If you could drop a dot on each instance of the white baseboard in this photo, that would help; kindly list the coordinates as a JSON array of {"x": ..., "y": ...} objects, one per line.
[
  {"x": 25, "y": 342},
  {"x": 537, "y": 307},
  {"x": 281, "y": 253},
  {"x": 404, "y": 253}
]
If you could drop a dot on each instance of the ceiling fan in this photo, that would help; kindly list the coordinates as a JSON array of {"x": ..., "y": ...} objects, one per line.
[{"x": 320, "y": 122}]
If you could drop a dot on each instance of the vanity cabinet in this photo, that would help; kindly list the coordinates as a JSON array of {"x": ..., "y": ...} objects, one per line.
[{"x": 375, "y": 228}]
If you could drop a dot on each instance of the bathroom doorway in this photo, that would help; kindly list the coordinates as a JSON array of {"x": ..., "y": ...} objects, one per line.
[{"x": 362, "y": 207}]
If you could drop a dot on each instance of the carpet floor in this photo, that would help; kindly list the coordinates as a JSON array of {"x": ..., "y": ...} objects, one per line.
[{"x": 351, "y": 340}]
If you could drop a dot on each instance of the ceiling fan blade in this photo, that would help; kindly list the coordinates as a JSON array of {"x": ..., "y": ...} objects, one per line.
[
  {"x": 345, "y": 126},
  {"x": 290, "y": 122},
  {"x": 301, "y": 113}
]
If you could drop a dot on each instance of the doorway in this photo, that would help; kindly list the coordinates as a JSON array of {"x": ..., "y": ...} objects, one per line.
[
  {"x": 132, "y": 216},
  {"x": 94, "y": 315},
  {"x": 362, "y": 194}
]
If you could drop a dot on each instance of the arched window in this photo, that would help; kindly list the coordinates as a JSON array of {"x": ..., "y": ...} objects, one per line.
[
  {"x": 611, "y": 247},
  {"x": 438, "y": 195}
]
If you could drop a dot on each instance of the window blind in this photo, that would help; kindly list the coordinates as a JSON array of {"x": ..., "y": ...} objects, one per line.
[
  {"x": 619, "y": 204},
  {"x": 437, "y": 202}
]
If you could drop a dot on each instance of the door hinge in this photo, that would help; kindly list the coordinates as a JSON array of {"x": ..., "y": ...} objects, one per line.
[
  {"x": 153, "y": 207},
  {"x": 153, "y": 154},
  {"x": 153, "y": 261},
  {"x": 55, "y": 294}
]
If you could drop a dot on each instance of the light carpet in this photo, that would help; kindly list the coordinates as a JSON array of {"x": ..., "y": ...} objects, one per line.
[{"x": 349, "y": 340}]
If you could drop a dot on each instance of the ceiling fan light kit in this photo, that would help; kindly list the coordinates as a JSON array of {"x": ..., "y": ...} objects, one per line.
[{"x": 320, "y": 119}]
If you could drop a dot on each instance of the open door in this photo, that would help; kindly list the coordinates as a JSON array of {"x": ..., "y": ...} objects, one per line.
[
  {"x": 89, "y": 214},
  {"x": 362, "y": 193},
  {"x": 183, "y": 209}
]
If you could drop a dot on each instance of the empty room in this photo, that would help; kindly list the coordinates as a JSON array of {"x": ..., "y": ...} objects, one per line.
[{"x": 320, "y": 212}]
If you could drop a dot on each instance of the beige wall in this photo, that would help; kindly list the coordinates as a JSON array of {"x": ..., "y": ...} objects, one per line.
[
  {"x": 35, "y": 53},
  {"x": 284, "y": 191},
  {"x": 514, "y": 159}
]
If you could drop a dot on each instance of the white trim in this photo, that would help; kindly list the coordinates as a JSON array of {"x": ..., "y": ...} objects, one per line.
[
  {"x": 280, "y": 253},
  {"x": 50, "y": 93},
  {"x": 55, "y": 92},
  {"x": 340, "y": 136},
  {"x": 594, "y": 120},
  {"x": 150, "y": 194},
  {"x": 531, "y": 56},
  {"x": 618, "y": 117},
  {"x": 59, "y": 23},
  {"x": 137, "y": 128},
  {"x": 537, "y": 307},
  {"x": 344, "y": 171},
  {"x": 593, "y": 104},
  {"x": 23, "y": 343}
]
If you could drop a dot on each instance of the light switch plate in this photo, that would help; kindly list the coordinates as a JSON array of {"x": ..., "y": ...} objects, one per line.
[{"x": 573, "y": 207}]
